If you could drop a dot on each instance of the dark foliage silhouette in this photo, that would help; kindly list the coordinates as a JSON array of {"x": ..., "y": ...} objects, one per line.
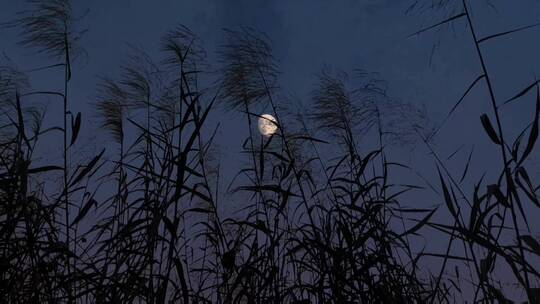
[{"x": 319, "y": 221}]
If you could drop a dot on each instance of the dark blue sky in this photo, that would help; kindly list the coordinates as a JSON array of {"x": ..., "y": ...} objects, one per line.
[{"x": 306, "y": 36}]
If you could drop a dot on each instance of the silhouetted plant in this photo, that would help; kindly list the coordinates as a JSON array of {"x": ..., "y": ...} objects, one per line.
[
  {"x": 490, "y": 239},
  {"x": 48, "y": 27},
  {"x": 315, "y": 224}
]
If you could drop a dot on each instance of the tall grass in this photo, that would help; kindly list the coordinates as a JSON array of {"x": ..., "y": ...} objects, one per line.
[
  {"x": 497, "y": 233},
  {"x": 320, "y": 220}
]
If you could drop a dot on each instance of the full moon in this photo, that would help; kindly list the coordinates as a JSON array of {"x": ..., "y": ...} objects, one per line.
[{"x": 267, "y": 125}]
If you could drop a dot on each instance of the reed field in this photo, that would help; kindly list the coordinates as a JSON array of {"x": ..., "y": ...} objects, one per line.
[{"x": 317, "y": 217}]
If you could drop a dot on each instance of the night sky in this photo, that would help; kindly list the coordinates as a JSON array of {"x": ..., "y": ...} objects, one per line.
[{"x": 432, "y": 69}]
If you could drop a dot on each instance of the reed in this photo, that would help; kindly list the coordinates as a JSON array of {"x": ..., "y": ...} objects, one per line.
[{"x": 321, "y": 218}]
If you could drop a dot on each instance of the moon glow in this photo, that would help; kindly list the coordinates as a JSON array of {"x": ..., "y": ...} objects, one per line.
[{"x": 267, "y": 125}]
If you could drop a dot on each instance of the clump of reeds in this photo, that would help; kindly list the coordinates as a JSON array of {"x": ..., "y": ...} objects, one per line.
[
  {"x": 143, "y": 222},
  {"x": 492, "y": 223}
]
